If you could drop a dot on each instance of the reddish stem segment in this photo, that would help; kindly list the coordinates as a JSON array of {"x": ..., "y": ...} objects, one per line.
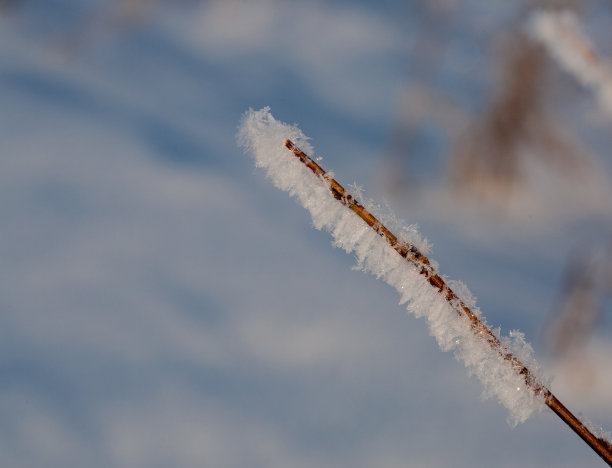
[{"x": 602, "y": 447}]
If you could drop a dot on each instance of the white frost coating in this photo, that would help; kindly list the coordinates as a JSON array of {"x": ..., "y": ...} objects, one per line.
[
  {"x": 597, "y": 430},
  {"x": 264, "y": 137},
  {"x": 560, "y": 32}
]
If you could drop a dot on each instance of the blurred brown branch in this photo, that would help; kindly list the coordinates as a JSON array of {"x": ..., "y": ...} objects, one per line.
[{"x": 488, "y": 160}]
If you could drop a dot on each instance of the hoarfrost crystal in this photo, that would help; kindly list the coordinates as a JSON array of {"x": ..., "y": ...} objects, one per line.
[{"x": 263, "y": 137}]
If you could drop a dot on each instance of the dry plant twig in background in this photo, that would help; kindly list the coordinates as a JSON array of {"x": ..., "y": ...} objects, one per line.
[
  {"x": 578, "y": 313},
  {"x": 579, "y": 307},
  {"x": 490, "y": 160}
]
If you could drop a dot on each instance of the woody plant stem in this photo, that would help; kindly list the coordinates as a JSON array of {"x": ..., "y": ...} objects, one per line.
[{"x": 423, "y": 266}]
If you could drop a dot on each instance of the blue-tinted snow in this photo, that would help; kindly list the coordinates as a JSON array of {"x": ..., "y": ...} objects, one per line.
[{"x": 163, "y": 305}]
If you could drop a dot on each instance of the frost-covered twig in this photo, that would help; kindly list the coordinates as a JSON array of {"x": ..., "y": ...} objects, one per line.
[
  {"x": 503, "y": 365},
  {"x": 560, "y": 32}
]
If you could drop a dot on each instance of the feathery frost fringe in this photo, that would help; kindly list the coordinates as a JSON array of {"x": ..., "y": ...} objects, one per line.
[
  {"x": 263, "y": 137},
  {"x": 561, "y": 34}
]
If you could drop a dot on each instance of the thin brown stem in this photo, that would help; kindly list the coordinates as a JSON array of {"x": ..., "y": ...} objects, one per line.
[{"x": 602, "y": 447}]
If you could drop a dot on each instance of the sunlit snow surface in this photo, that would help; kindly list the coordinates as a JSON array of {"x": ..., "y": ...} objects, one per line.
[{"x": 163, "y": 305}]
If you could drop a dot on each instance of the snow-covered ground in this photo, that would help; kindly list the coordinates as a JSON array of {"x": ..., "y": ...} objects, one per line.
[{"x": 162, "y": 305}]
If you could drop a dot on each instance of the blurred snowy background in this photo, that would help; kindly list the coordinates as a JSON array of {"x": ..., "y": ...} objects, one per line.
[{"x": 162, "y": 305}]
